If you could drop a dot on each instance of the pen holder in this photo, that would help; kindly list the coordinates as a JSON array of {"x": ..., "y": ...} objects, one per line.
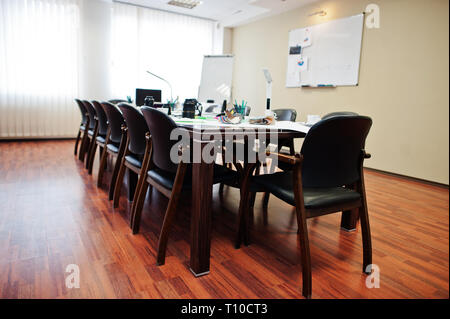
[{"x": 241, "y": 110}]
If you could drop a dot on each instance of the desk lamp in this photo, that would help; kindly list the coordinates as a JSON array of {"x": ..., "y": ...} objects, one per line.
[
  {"x": 268, "y": 90},
  {"x": 170, "y": 86}
]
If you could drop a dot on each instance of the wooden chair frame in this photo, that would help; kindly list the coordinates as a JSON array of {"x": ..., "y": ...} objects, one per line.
[
  {"x": 79, "y": 137},
  {"x": 92, "y": 146},
  {"x": 118, "y": 157},
  {"x": 89, "y": 139},
  {"x": 133, "y": 172},
  {"x": 85, "y": 139}
]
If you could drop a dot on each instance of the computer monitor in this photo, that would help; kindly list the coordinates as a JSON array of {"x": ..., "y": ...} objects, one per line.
[{"x": 141, "y": 94}]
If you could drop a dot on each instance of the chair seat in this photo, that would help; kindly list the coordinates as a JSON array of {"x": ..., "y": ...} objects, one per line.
[
  {"x": 133, "y": 160},
  {"x": 113, "y": 148},
  {"x": 167, "y": 179},
  {"x": 101, "y": 139},
  {"x": 281, "y": 185}
]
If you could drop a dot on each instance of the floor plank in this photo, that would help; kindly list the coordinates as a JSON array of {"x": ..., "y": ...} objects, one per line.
[{"x": 52, "y": 215}]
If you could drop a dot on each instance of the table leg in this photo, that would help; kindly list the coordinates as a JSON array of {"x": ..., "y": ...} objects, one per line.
[{"x": 202, "y": 182}]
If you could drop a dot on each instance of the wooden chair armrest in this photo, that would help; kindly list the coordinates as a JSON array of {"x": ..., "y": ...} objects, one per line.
[{"x": 288, "y": 159}]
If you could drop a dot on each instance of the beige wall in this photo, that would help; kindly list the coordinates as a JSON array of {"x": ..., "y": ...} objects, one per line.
[
  {"x": 403, "y": 82},
  {"x": 227, "y": 40}
]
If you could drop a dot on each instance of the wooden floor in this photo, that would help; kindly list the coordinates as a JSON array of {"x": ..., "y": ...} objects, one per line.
[{"x": 53, "y": 215}]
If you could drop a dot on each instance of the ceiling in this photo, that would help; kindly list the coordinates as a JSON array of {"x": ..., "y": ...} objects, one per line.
[{"x": 229, "y": 13}]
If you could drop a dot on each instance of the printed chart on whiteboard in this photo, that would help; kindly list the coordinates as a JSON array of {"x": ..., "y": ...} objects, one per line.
[{"x": 326, "y": 54}]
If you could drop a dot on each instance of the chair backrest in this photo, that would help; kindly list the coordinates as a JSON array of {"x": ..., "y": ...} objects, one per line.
[
  {"x": 332, "y": 151},
  {"x": 286, "y": 114},
  {"x": 344, "y": 113},
  {"x": 212, "y": 108},
  {"x": 117, "y": 101},
  {"x": 161, "y": 127},
  {"x": 115, "y": 121},
  {"x": 102, "y": 120},
  {"x": 82, "y": 110},
  {"x": 91, "y": 111},
  {"x": 137, "y": 128}
]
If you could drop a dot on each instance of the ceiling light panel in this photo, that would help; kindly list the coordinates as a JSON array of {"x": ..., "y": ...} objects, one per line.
[{"x": 188, "y": 4}]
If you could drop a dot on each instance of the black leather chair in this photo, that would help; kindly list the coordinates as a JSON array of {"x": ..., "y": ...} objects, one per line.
[
  {"x": 286, "y": 114},
  {"x": 134, "y": 151},
  {"x": 327, "y": 177},
  {"x": 344, "y": 113},
  {"x": 99, "y": 137},
  {"x": 115, "y": 144},
  {"x": 213, "y": 108},
  {"x": 166, "y": 176},
  {"x": 93, "y": 127},
  {"x": 82, "y": 129}
]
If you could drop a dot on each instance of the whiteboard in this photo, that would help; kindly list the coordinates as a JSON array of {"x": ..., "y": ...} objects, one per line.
[
  {"x": 217, "y": 75},
  {"x": 325, "y": 54}
]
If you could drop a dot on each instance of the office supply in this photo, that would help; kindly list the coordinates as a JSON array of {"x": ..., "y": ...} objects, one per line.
[
  {"x": 217, "y": 75},
  {"x": 240, "y": 108},
  {"x": 149, "y": 101},
  {"x": 141, "y": 94},
  {"x": 224, "y": 106},
  {"x": 189, "y": 108},
  {"x": 330, "y": 54},
  {"x": 162, "y": 79}
]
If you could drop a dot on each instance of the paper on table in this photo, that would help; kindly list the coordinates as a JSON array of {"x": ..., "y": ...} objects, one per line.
[{"x": 293, "y": 126}]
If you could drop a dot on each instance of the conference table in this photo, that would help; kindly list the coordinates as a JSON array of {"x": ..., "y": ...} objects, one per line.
[{"x": 202, "y": 175}]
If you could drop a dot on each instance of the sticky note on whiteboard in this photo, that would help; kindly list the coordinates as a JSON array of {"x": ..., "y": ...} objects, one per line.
[
  {"x": 306, "y": 39},
  {"x": 303, "y": 63}
]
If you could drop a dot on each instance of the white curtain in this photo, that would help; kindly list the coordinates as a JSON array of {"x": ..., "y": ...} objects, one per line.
[
  {"x": 39, "y": 41},
  {"x": 167, "y": 44}
]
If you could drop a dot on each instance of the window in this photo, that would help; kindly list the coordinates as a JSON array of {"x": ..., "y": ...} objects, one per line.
[
  {"x": 167, "y": 44},
  {"x": 38, "y": 67}
]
